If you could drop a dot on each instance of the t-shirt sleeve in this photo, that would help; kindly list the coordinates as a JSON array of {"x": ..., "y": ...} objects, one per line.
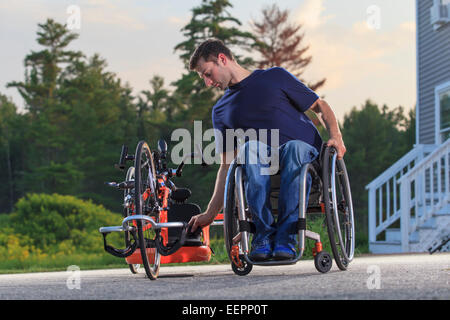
[
  {"x": 296, "y": 91},
  {"x": 219, "y": 133}
]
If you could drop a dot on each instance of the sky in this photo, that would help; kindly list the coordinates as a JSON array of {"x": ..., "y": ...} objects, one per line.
[{"x": 365, "y": 48}]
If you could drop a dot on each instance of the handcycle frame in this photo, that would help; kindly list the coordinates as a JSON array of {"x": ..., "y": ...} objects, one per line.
[{"x": 177, "y": 253}]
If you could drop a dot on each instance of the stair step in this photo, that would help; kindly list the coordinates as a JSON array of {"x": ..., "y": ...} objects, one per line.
[
  {"x": 385, "y": 247},
  {"x": 395, "y": 235},
  {"x": 414, "y": 237},
  {"x": 445, "y": 211},
  {"x": 429, "y": 224}
]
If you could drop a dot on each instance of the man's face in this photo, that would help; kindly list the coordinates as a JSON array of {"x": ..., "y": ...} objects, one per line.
[{"x": 214, "y": 73}]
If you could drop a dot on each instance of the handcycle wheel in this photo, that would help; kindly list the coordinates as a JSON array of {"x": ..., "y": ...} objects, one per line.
[
  {"x": 145, "y": 202},
  {"x": 231, "y": 225},
  {"x": 338, "y": 208},
  {"x": 128, "y": 211}
]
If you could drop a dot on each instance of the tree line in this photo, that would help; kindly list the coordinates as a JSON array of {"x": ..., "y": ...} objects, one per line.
[{"x": 78, "y": 113}]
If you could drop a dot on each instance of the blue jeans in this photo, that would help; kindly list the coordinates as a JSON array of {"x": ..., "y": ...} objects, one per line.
[{"x": 292, "y": 156}]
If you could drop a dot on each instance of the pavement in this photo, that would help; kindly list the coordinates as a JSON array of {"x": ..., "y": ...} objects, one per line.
[{"x": 374, "y": 277}]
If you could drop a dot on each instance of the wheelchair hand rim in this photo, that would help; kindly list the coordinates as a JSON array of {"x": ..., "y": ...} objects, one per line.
[{"x": 348, "y": 257}]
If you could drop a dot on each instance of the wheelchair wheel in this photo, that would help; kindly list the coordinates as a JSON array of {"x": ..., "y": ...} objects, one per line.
[
  {"x": 338, "y": 208},
  {"x": 323, "y": 261},
  {"x": 128, "y": 197},
  {"x": 243, "y": 269},
  {"x": 231, "y": 225},
  {"x": 145, "y": 202}
]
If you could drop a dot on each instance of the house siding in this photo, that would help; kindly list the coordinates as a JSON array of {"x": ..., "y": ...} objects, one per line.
[{"x": 433, "y": 50}]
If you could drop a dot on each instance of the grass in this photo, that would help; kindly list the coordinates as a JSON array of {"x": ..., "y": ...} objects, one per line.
[{"x": 103, "y": 260}]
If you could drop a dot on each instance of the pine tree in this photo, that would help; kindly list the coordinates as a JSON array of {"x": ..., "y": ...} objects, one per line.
[
  {"x": 8, "y": 125},
  {"x": 280, "y": 44},
  {"x": 209, "y": 20},
  {"x": 43, "y": 67}
]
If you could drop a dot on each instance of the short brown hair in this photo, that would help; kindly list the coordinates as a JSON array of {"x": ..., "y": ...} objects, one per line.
[{"x": 209, "y": 50}]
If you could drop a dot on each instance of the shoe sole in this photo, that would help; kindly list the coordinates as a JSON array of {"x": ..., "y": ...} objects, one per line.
[
  {"x": 283, "y": 256},
  {"x": 260, "y": 257}
]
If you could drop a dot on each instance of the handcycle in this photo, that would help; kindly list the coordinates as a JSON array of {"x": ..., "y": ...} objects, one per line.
[
  {"x": 156, "y": 214},
  {"x": 330, "y": 195}
]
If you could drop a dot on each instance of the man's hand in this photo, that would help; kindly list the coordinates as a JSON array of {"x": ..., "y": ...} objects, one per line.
[
  {"x": 201, "y": 220},
  {"x": 324, "y": 111},
  {"x": 338, "y": 144}
]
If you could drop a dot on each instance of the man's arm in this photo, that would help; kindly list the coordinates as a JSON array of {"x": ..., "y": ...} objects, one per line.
[
  {"x": 217, "y": 199},
  {"x": 323, "y": 110}
]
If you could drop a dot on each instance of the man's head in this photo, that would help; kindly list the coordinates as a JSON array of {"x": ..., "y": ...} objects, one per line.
[{"x": 212, "y": 61}]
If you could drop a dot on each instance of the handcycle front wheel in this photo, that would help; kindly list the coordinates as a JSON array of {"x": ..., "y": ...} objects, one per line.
[
  {"x": 128, "y": 211},
  {"x": 145, "y": 202},
  {"x": 338, "y": 208}
]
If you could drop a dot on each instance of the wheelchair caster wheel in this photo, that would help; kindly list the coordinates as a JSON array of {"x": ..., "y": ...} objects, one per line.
[
  {"x": 243, "y": 269},
  {"x": 323, "y": 261}
]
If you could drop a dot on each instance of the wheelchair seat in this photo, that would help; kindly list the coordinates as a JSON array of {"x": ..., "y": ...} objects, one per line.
[{"x": 315, "y": 193}]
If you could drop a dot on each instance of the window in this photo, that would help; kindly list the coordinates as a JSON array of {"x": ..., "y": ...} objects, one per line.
[
  {"x": 440, "y": 13},
  {"x": 444, "y": 104},
  {"x": 442, "y": 94}
]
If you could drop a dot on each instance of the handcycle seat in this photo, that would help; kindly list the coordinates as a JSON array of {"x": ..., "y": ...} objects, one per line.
[
  {"x": 183, "y": 212},
  {"x": 180, "y": 195}
]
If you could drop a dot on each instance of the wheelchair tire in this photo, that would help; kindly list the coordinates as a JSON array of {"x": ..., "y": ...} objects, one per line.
[
  {"x": 231, "y": 221},
  {"x": 244, "y": 270},
  {"x": 127, "y": 211},
  {"x": 338, "y": 208},
  {"x": 230, "y": 218},
  {"x": 323, "y": 262},
  {"x": 145, "y": 184}
]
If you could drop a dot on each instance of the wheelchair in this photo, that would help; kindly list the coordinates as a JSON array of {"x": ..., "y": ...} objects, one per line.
[
  {"x": 156, "y": 213},
  {"x": 330, "y": 195}
]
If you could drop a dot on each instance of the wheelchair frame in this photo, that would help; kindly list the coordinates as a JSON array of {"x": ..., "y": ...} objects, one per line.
[{"x": 237, "y": 241}]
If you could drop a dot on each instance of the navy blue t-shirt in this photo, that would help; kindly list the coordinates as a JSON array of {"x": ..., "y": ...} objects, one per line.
[{"x": 267, "y": 99}]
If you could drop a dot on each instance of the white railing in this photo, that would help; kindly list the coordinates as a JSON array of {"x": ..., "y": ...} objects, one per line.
[
  {"x": 384, "y": 191},
  {"x": 424, "y": 190}
]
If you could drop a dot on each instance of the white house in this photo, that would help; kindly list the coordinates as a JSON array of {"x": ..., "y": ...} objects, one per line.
[{"x": 409, "y": 203}]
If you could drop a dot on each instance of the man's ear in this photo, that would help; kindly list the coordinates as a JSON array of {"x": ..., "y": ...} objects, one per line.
[{"x": 222, "y": 58}]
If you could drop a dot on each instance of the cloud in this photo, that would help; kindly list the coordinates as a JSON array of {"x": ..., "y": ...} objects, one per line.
[
  {"x": 109, "y": 14},
  {"x": 361, "y": 63},
  {"x": 310, "y": 14},
  {"x": 178, "y": 21},
  {"x": 409, "y": 26}
]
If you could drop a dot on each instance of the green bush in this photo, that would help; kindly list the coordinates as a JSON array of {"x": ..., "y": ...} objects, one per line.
[
  {"x": 61, "y": 222},
  {"x": 47, "y": 232}
]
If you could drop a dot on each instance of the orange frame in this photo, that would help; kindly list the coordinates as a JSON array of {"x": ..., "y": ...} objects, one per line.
[{"x": 184, "y": 254}]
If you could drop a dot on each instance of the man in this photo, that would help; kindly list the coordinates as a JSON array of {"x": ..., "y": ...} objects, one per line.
[{"x": 263, "y": 99}]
